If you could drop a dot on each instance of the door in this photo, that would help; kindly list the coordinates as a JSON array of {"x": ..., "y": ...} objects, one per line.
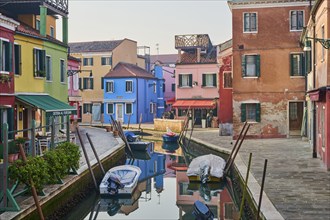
[
  {"x": 295, "y": 117},
  {"x": 120, "y": 113},
  {"x": 96, "y": 109},
  {"x": 198, "y": 117}
]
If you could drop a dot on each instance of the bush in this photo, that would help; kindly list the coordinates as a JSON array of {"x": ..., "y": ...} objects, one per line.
[
  {"x": 72, "y": 153},
  {"x": 57, "y": 163}
]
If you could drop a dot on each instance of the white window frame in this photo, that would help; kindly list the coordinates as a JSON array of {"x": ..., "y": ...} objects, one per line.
[
  {"x": 2, "y": 57},
  {"x": 107, "y": 61},
  {"x": 244, "y": 31},
  {"x": 126, "y": 108},
  {"x": 188, "y": 82},
  {"x": 290, "y": 21},
  {"x": 210, "y": 75},
  {"x": 111, "y": 88},
  {"x": 131, "y": 89},
  {"x": 113, "y": 109},
  {"x": 89, "y": 61}
]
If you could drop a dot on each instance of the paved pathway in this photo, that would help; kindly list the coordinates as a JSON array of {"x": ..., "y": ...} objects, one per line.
[{"x": 297, "y": 184}]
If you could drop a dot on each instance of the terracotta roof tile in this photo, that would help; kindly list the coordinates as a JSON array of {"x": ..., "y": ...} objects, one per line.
[
  {"x": 125, "y": 70},
  {"x": 191, "y": 58},
  {"x": 93, "y": 46}
]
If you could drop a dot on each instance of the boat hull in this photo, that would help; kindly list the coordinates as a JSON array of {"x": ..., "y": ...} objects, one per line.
[
  {"x": 139, "y": 145},
  {"x": 167, "y": 138}
]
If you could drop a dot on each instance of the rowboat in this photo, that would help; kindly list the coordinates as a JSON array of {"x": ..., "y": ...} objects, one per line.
[{"x": 120, "y": 180}]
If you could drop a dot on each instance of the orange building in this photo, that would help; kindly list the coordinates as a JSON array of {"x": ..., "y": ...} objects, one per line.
[{"x": 268, "y": 67}]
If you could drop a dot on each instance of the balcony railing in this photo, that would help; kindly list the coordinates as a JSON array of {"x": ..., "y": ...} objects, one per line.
[{"x": 192, "y": 41}]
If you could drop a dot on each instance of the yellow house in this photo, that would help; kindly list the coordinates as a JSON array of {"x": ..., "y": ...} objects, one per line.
[{"x": 97, "y": 59}]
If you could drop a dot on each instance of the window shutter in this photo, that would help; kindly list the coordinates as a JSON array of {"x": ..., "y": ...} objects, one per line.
[
  {"x": 243, "y": 65},
  {"x": 84, "y": 83},
  {"x": 258, "y": 65},
  {"x": 258, "y": 112},
  {"x": 18, "y": 59},
  {"x": 214, "y": 80},
  {"x": 102, "y": 108},
  {"x": 190, "y": 80},
  {"x": 303, "y": 66},
  {"x": 291, "y": 65},
  {"x": 10, "y": 61},
  {"x": 34, "y": 62},
  {"x": 113, "y": 87},
  {"x": 80, "y": 87},
  {"x": 203, "y": 80},
  {"x": 102, "y": 86},
  {"x": 102, "y": 61},
  {"x": 243, "y": 112},
  {"x": 180, "y": 80},
  {"x": 85, "y": 108},
  {"x": 91, "y": 61},
  {"x": 85, "y": 61},
  {"x": 92, "y": 83},
  {"x": 43, "y": 60},
  {"x": 111, "y": 60},
  {"x": 10, "y": 116}
]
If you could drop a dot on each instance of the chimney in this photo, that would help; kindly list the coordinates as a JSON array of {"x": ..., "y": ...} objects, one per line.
[{"x": 198, "y": 55}]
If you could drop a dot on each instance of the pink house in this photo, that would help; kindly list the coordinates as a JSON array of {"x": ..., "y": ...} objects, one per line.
[
  {"x": 196, "y": 78},
  {"x": 73, "y": 86}
]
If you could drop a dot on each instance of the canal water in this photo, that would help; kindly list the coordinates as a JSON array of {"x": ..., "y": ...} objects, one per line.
[{"x": 163, "y": 191}]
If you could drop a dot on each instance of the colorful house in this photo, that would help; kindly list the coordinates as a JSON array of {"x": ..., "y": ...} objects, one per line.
[
  {"x": 7, "y": 70},
  {"x": 196, "y": 77},
  {"x": 167, "y": 61},
  {"x": 225, "y": 109},
  {"x": 268, "y": 67},
  {"x": 316, "y": 41},
  {"x": 100, "y": 57},
  {"x": 73, "y": 86},
  {"x": 131, "y": 93}
]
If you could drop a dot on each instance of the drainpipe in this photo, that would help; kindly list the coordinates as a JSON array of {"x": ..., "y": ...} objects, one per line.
[{"x": 314, "y": 85}]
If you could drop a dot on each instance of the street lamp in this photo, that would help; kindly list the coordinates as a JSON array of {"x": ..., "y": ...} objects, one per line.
[
  {"x": 74, "y": 72},
  {"x": 324, "y": 42}
]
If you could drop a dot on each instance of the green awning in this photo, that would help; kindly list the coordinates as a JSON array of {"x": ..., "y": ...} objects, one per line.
[{"x": 50, "y": 105}]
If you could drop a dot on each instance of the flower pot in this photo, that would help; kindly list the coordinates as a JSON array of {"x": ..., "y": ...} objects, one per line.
[{"x": 12, "y": 157}]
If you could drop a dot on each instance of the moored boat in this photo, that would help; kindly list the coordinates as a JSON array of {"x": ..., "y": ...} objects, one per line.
[
  {"x": 170, "y": 136},
  {"x": 120, "y": 180}
]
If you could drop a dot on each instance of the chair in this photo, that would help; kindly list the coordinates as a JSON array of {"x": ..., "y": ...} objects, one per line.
[{"x": 43, "y": 145}]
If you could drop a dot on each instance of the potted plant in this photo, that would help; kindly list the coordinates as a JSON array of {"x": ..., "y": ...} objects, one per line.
[{"x": 13, "y": 152}]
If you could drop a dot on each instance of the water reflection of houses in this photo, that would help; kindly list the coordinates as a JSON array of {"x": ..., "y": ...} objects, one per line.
[{"x": 218, "y": 198}]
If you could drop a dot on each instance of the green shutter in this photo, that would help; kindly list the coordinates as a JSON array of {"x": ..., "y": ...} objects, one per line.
[
  {"x": 214, "y": 80},
  {"x": 111, "y": 60},
  {"x": 92, "y": 83},
  {"x": 17, "y": 59},
  {"x": 106, "y": 87},
  {"x": 85, "y": 108},
  {"x": 190, "y": 80},
  {"x": 303, "y": 66},
  {"x": 291, "y": 64},
  {"x": 43, "y": 60},
  {"x": 203, "y": 80},
  {"x": 92, "y": 61},
  {"x": 10, "y": 116},
  {"x": 102, "y": 108},
  {"x": 34, "y": 62},
  {"x": 102, "y": 86},
  {"x": 258, "y": 65},
  {"x": 84, "y": 83},
  {"x": 243, "y": 65},
  {"x": 258, "y": 112},
  {"x": 80, "y": 87},
  {"x": 243, "y": 112},
  {"x": 10, "y": 56},
  {"x": 180, "y": 80}
]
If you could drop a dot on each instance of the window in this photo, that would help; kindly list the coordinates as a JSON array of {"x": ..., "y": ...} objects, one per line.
[
  {"x": 251, "y": 65},
  {"x": 209, "y": 80},
  {"x": 250, "y": 112},
  {"x": 87, "y": 108},
  {"x": 296, "y": 20},
  {"x": 110, "y": 86},
  {"x": 308, "y": 61},
  {"x": 164, "y": 87},
  {"x": 88, "y": 83},
  {"x": 106, "y": 61},
  {"x": 49, "y": 74},
  {"x": 129, "y": 108},
  {"x": 173, "y": 87},
  {"x": 250, "y": 22},
  {"x": 18, "y": 59},
  {"x": 293, "y": 110},
  {"x": 227, "y": 80},
  {"x": 110, "y": 108},
  {"x": 152, "y": 107},
  {"x": 182, "y": 112},
  {"x": 154, "y": 87},
  {"x": 52, "y": 31},
  {"x": 62, "y": 69},
  {"x": 37, "y": 24},
  {"x": 185, "y": 80},
  {"x": 6, "y": 55},
  {"x": 129, "y": 86},
  {"x": 88, "y": 62},
  {"x": 297, "y": 63},
  {"x": 39, "y": 62}
]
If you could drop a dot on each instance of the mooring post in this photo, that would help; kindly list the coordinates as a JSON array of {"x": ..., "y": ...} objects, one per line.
[
  {"x": 86, "y": 157},
  {"x": 95, "y": 153},
  {"x": 245, "y": 187},
  {"x": 262, "y": 188}
]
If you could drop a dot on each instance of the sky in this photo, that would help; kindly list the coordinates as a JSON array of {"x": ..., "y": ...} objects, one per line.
[{"x": 149, "y": 22}]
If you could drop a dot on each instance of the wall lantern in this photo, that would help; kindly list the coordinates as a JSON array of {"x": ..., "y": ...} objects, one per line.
[
  {"x": 324, "y": 42},
  {"x": 74, "y": 72}
]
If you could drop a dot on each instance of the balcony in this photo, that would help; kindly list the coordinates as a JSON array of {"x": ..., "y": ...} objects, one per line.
[
  {"x": 193, "y": 41},
  {"x": 19, "y": 7}
]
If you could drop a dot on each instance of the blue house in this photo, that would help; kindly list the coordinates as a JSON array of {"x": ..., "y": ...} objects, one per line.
[{"x": 131, "y": 93}]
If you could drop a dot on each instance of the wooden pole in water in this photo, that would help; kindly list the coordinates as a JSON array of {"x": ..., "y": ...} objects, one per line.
[
  {"x": 95, "y": 153},
  {"x": 86, "y": 157},
  {"x": 245, "y": 186},
  {"x": 262, "y": 188}
]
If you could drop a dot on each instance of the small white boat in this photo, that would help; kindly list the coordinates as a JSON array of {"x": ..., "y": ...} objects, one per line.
[
  {"x": 120, "y": 180},
  {"x": 206, "y": 168}
]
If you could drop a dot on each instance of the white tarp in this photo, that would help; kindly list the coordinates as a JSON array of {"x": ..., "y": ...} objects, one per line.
[{"x": 198, "y": 164}]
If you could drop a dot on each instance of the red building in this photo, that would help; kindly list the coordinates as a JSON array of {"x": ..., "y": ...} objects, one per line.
[
  {"x": 225, "y": 110},
  {"x": 7, "y": 70}
]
